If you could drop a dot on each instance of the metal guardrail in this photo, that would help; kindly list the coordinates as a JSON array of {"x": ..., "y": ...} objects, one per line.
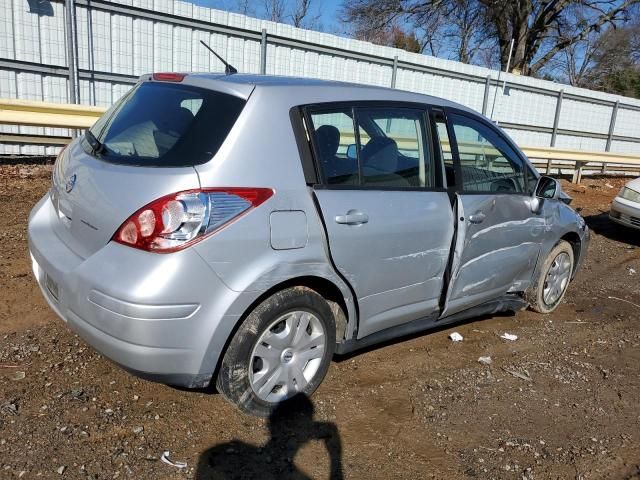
[{"x": 44, "y": 114}]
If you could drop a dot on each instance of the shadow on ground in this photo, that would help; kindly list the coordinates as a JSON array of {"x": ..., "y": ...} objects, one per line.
[
  {"x": 291, "y": 426},
  {"x": 603, "y": 225}
]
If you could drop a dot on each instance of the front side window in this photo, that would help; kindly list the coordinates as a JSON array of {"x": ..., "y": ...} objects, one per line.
[
  {"x": 488, "y": 164},
  {"x": 165, "y": 124},
  {"x": 373, "y": 147}
]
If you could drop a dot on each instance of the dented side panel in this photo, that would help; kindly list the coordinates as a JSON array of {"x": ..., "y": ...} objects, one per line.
[
  {"x": 498, "y": 243},
  {"x": 396, "y": 260}
]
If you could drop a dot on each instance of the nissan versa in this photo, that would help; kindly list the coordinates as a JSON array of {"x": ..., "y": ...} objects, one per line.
[{"x": 242, "y": 229}]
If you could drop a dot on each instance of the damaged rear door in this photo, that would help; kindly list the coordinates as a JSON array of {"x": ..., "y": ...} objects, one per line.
[
  {"x": 498, "y": 235},
  {"x": 389, "y": 222}
]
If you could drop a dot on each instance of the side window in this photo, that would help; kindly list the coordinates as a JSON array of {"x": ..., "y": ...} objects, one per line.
[
  {"x": 487, "y": 162},
  {"x": 335, "y": 139},
  {"x": 394, "y": 152},
  {"x": 445, "y": 148}
]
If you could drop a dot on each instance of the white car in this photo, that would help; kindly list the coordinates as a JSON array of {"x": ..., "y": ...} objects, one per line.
[{"x": 625, "y": 208}]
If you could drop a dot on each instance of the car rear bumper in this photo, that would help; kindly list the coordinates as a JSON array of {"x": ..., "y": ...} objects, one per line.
[
  {"x": 625, "y": 213},
  {"x": 155, "y": 315}
]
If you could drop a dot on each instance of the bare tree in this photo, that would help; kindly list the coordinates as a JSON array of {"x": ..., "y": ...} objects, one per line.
[
  {"x": 275, "y": 10},
  {"x": 540, "y": 29},
  {"x": 302, "y": 16},
  {"x": 245, "y": 7}
]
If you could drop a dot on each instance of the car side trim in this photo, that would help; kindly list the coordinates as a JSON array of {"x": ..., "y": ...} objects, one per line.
[{"x": 504, "y": 303}]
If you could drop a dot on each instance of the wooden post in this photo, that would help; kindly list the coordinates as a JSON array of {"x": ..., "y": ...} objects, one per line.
[{"x": 577, "y": 174}]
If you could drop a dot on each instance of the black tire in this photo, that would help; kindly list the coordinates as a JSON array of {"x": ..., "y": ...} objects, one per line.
[
  {"x": 233, "y": 380},
  {"x": 535, "y": 295}
]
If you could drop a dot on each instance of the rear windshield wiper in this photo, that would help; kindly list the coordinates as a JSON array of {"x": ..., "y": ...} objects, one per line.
[{"x": 96, "y": 145}]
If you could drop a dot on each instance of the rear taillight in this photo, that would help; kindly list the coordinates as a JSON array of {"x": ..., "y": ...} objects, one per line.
[{"x": 176, "y": 221}]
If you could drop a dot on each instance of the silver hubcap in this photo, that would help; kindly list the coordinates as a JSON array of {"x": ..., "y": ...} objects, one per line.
[
  {"x": 557, "y": 279},
  {"x": 287, "y": 356}
]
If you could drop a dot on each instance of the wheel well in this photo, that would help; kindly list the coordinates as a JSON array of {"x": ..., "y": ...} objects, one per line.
[
  {"x": 327, "y": 289},
  {"x": 574, "y": 240}
]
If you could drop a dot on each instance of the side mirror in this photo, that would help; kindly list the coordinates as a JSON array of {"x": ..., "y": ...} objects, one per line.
[
  {"x": 548, "y": 188},
  {"x": 352, "y": 152}
]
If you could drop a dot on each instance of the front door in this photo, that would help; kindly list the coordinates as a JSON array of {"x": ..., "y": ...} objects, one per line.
[
  {"x": 389, "y": 222},
  {"x": 499, "y": 237}
]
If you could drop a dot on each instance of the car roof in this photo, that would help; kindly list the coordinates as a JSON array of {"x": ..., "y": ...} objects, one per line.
[{"x": 303, "y": 91}]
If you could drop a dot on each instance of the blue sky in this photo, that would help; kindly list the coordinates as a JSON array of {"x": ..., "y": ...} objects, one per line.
[{"x": 328, "y": 10}]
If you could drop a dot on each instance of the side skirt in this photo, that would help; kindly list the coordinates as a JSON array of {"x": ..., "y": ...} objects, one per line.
[{"x": 502, "y": 304}]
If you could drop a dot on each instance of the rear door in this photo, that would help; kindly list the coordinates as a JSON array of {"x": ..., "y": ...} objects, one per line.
[
  {"x": 498, "y": 238},
  {"x": 388, "y": 218}
]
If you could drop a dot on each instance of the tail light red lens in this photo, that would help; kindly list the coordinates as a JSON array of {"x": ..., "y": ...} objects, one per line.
[{"x": 181, "y": 219}]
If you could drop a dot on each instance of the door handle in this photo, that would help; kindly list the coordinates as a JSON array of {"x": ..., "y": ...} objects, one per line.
[
  {"x": 477, "y": 217},
  {"x": 352, "y": 217}
]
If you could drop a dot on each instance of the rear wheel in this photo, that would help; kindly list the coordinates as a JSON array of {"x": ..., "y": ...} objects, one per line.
[
  {"x": 283, "y": 348},
  {"x": 555, "y": 275}
]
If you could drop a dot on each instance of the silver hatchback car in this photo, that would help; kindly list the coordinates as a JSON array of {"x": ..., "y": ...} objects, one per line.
[{"x": 244, "y": 229}]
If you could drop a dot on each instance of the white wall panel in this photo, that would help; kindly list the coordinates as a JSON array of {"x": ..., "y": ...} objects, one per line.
[
  {"x": 100, "y": 40},
  {"x": 182, "y": 44},
  {"x": 163, "y": 47},
  {"x": 26, "y": 29},
  {"x": 148, "y": 4},
  {"x": 627, "y": 123},
  {"x": 6, "y": 29},
  {"x": 200, "y": 56},
  {"x": 165, "y": 6},
  {"x": 525, "y": 108},
  {"x": 251, "y": 58},
  {"x": 84, "y": 28},
  {"x": 143, "y": 48},
  {"x": 585, "y": 116},
  {"x": 580, "y": 143},
  {"x": 220, "y": 44},
  {"x": 122, "y": 45},
  {"x": 183, "y": 9},
  {"x": 103, "y": 94},
  {"x": 529, "y": 138},
  {"x": 52, "y": 36},
  {"x": 625, "y": 147}
]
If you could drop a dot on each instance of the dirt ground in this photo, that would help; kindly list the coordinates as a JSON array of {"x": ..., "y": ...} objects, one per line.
[{"x": 562, "y": 401}]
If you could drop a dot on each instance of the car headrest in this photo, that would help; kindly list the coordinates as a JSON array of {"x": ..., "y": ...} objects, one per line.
[
  {"x": 381, "y": 153},
  {"x": 328, "y": 138}
]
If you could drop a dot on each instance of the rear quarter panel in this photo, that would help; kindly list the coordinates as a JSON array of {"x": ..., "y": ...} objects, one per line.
[{"x": 261, "y": 151}]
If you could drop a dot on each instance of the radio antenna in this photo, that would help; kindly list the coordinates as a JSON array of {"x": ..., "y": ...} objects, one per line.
[{"x": 228, "y": 69}]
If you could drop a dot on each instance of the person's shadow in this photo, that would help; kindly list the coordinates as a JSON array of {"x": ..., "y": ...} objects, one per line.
[{"x": 291, "y": 425}]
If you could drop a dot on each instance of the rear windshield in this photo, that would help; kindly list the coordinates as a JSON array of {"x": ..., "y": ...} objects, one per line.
[{"x": 164, "y": 125}]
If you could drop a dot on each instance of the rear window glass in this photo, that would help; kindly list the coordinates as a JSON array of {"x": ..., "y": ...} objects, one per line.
[{"x": 165, "y": 124}]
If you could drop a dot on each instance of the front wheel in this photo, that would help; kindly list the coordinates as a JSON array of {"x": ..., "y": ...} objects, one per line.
[
  {"x": 283, "y": 348},
  {"x": 550, "y": 287}
]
